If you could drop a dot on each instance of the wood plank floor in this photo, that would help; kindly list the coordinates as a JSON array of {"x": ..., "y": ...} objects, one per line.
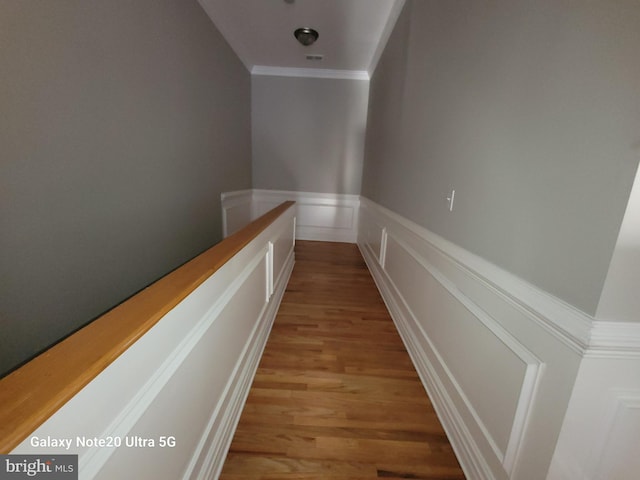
[{"x": 336, "y": 395}]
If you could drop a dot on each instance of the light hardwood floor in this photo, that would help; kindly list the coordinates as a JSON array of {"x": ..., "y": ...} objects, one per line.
[{"x": 336, "y": 395}]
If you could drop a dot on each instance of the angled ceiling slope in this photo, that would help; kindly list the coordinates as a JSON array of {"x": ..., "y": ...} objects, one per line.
[{"x": 353, "y": 34}]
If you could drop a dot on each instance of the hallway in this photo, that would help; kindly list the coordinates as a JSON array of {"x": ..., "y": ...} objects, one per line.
[{"x": 336, "y": 395}]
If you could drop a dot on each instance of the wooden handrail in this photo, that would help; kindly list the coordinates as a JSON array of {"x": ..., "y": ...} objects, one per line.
[{"x": 35, "y": 391}]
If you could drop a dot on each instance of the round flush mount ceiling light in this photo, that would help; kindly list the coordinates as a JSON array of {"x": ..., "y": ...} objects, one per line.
[{"x": 306, "y": 36}]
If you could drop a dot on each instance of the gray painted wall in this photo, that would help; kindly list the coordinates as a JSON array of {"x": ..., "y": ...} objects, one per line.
[
  {"x": 308, "y": 133},
  {"x": 122, "y": 121},
  {"x": 530, "y": 110}
]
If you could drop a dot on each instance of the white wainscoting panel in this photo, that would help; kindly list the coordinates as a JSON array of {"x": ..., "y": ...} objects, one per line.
[
  {"x": 319, "y": 216},
  {"x": 494, "y": 406},
  {"x": 236, "y": 211},
  {"x": 600, "y": 438},
  {"x": 619, "y": 447},
  {"x": 327, "y": 217},
  {"x": 187, "y": 378},
  {"x": 498, "y": 369}
]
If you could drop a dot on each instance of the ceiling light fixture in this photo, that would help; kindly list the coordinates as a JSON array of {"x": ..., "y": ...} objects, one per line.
[{"x": 306, "y": 36}]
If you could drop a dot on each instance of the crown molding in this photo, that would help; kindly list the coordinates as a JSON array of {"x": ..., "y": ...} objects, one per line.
[{"x": 310, "y": 72}]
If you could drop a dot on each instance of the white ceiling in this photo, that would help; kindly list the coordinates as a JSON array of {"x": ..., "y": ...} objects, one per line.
[{"x": 352, "y": 34}]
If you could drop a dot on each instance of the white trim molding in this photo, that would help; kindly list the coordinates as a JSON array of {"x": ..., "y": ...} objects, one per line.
[
  {"x": 614, "y": 339},
  {"x": 565, "y": 322},
  {"x": 310, "y": 72}
]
